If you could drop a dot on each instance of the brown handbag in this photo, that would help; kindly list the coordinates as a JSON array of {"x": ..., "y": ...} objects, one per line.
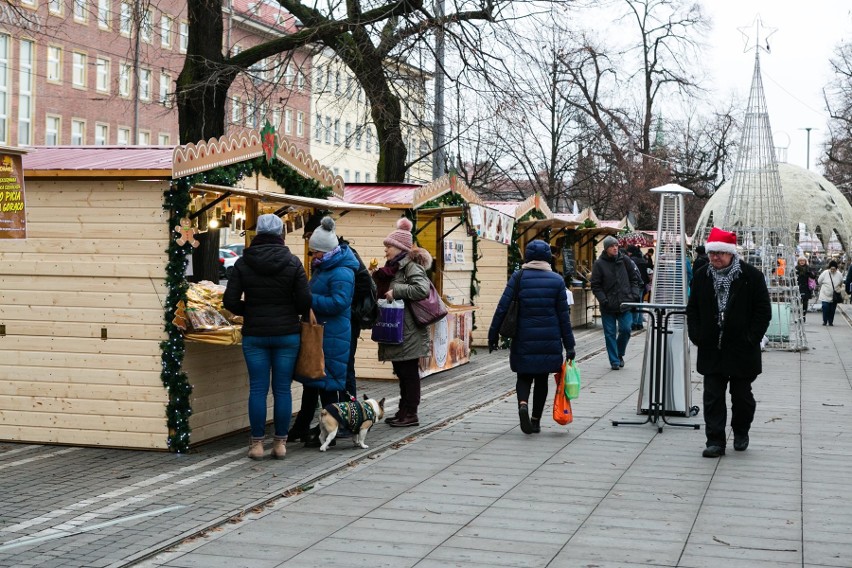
[{"x": 310, "y": 364}]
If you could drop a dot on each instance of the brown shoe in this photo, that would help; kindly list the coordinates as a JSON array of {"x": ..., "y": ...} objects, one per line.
[
  {"x": 256, "y": 449},
  {"x": 279, "y": 448},
  {"x": 405, "y": 421}
]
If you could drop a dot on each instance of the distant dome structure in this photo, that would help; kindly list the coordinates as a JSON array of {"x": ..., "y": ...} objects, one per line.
[{"x": 808, "y": 197}]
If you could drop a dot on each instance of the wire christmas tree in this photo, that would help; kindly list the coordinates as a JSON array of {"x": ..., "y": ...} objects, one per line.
[{"x": 756, "y": 213}]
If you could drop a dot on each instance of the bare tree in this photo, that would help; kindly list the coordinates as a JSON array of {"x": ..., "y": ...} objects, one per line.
[
  {"x": 364, "y": 35},
  {"x": 838, "y": 99}
]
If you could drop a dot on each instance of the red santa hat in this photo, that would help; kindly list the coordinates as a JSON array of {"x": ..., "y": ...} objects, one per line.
[{"x": 721, "y": 241}]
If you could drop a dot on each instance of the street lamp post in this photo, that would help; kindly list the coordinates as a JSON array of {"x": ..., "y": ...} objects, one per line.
[{"x": 808, "y": 153}]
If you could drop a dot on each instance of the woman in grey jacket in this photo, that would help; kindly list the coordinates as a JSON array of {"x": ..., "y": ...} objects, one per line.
[{"x": 404, "y": 277}]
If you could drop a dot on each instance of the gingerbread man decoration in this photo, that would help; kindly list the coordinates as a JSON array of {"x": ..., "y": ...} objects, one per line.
[{"x": 187, "y": 232}]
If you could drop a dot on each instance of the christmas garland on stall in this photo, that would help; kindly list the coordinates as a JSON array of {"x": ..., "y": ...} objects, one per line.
[
  {"x": 176, "y": 201},
  {"x": 516, "y": 255},
  {"x": 452, "y": 199}
]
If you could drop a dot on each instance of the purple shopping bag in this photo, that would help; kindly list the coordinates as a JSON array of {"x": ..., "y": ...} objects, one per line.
[{"x": 388, "y": 328}]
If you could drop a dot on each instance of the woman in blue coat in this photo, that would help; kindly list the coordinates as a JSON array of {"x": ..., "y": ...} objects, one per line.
[
  {"x": 333, "y": 270},
  {"x": 544, "y": 329}
]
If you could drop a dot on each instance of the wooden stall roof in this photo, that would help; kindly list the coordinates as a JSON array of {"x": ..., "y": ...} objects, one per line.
[
  {"x": 299, "y": 201},
  {"x": 82, "y": 162},
  {"x": 391, "y": 195}
]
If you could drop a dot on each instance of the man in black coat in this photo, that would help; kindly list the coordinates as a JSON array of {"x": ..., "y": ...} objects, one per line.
[
  {"x": 701, "y": 258},
  {"x": 642, "y": 266},
  {"x": 727, "y": 315},
  {"x": 615, "y": 280}
]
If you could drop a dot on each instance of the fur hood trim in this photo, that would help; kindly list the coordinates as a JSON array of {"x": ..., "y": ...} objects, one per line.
[{"x": 421, "y": 256}]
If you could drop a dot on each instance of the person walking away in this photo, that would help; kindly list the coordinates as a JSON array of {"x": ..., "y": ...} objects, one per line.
[
  {"x": 727, "y": 314},
  {"x": 635, "y": 254},
  {"x": 804, "y": 278},
  {"x": 614, "y": 281},
  {"x": 333, "y": 270},
  {"x": 649, "y": 257},
  {"x": 828, "y": 282},
  {"x": 544, "y": 330},
  {"x": 269, "y": 288},
  {"x": 404, "y": 277},
  {"x": 701, "y": 258}
]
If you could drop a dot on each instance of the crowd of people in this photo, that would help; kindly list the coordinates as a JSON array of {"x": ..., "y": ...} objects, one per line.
[{"x": 728, "y": 313}]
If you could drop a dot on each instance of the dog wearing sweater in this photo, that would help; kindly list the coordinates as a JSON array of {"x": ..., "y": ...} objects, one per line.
[{"x": 357, "y": 416}]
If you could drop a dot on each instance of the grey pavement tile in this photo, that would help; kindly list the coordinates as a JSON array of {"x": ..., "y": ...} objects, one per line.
[
  {"x": 201, "y": 560},
  {"x": 706, "y": 561},
  {"x": 314, "y": 558},
  {"x": 488, "y": 557},
  {"x": 782, "y": 554},
  {"x": 382, "y": 544}
]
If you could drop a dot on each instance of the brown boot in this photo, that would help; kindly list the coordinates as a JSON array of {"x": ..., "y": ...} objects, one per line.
[
  {"x": 256, "y": 449},
  {"x": 279, "y": 448},
  {"x": 406, "y": 420}
]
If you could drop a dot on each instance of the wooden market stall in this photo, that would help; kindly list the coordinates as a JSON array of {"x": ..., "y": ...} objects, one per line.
[{"x": 90, "y": 287}]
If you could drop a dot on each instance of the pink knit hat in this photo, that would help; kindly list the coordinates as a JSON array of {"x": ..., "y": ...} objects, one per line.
[{"x": 401, "y": 238}]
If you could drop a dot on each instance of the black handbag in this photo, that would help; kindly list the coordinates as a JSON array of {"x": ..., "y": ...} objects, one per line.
[
  {"x": 837, "y": 297},
  {"x": 509, "y": 327}
]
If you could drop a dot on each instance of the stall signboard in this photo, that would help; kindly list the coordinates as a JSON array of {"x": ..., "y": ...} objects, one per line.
[
  {"x": 449, "y": 341},
  {"x": 13, "y": 213},
  {"x": 491, "y": 224}
]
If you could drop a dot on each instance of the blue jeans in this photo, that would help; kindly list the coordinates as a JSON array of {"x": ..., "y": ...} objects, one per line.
[
  {"x": 616, "y": 346},
  {"x": 276, "y": 354}
]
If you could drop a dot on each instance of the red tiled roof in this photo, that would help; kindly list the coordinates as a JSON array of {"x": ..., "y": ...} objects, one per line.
[
  {"x": 380, "y": 193},
  {"x": 80, "y": 159}
]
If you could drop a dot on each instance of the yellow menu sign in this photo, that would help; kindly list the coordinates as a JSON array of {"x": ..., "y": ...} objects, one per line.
[{"x": 13, "y": 214}]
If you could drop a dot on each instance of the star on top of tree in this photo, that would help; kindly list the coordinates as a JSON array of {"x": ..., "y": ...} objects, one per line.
[{"x": 756, "y": 35}]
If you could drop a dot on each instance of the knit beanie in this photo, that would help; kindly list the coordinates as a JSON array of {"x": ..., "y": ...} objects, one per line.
[
  {"x": 323, "y": 238},
  {"x": 609, "y": 241},
  {"x": 401, "y": 238},
  {"x": 269, "y": 224}
]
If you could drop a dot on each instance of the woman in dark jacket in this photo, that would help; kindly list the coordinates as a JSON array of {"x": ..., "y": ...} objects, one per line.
[
  {"x": 269, "y": 288},
  {"x": 804, "y": 276},
  {"x": 404, "y": 277},
  {"x": 544, "y": 329}
]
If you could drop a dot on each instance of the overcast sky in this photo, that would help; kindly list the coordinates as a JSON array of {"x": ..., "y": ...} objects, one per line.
[{"x": 793, "y": 73}]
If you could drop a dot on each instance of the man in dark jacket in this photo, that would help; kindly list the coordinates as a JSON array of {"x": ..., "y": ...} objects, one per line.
[
  {"x": 635, "y": 254},
  {"x": 615, "y": 280},
  {"x": 727, "y": 315},
  {"x": 701, "y": 258}
]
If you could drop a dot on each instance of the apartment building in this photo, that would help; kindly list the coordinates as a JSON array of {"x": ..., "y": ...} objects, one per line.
[
  {"x": 102, "y": 72},
  {"x": 344, "y": 137}
]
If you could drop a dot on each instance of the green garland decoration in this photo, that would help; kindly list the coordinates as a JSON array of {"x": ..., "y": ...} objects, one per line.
[
  {"x": 176, "y": 201},
  {"x": 516, "y": 256}
]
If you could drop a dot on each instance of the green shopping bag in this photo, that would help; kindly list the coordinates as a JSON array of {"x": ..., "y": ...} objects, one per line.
[{"x": 572, "y": 380}]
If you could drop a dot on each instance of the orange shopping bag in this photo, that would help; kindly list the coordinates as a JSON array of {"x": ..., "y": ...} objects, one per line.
[{"x": 562, "y": 412}]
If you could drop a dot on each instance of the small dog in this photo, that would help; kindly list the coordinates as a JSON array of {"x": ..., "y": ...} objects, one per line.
[{"x": 355, "y": 415}]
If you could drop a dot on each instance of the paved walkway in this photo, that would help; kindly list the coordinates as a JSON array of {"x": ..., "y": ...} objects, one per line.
[{"x": 469, "y": 489}]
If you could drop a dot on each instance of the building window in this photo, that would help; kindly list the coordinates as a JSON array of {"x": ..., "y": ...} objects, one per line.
[
  {"x": 289, "y": 75},
  {"x": 78, "y": 132},
  {"x": 164, "y": 139},
  {"x": 81, "y": 14},
  {"x": 123, "y": 138},
  {"x": 55, "y": 6},
  {"x": 165, "y": 85},
  {"x": 276, "y": 119},
  {"x": 78, "y": 70},
  {"x": 124, "y": 79},
  {"x": 328, "y": 77},
  {"x": 102, "y": 75},
  {"x": 300, "y": 80},
  {"x": 348, "y": 86},
  {"x": 165, "y": 31},
  {"x": 318, "y": 73},
  {"x": 103, "y": 14},
  {"x": 318, "y": 128},
  {"x": 251, "y": 114},
  {"x": 357, "y": 177},
  {"x": 368, "y": 146},
  {"x": 346, "y": 176},
  {"x": 54, "y": 64},
  {"x": 101, "y": 134},
  {"x": 288, "y": 121},
  {"x": 358, "y": 138},
  {"x": 337, "y": 83},
  {"x": 327, "y": 129},
  {"x": 51, "y": 130},
  {"x": 348, "y": 139},
  {"x": 300, "y": 124},
  {"x": 264, "y": 111},
  {"x": 145, "y": 84},
  {"x": 367, "y": 177},
  {"x": 144, "y": 138},
  {"x": 125, "y": 19},
  {"x": 236, "y": 111},
  {"x": 337, "y": 132},
  {"x": 4, "y": 88},
  {"x": 146, "y": 30},
  {"x": 184, "y": 36},
  {"x": 25, "y": 92}
]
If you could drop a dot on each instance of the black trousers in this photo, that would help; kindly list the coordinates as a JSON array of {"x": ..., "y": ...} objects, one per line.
[
  {"x": 716, "y": 411},
  {"x": 525, "y": 384},
  {"x": 408, "y": 373}
]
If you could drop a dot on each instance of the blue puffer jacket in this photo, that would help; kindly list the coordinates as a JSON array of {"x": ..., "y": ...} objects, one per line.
[
  {"x": 544, "y": 326},
  {"x": 332, "y": 287}
]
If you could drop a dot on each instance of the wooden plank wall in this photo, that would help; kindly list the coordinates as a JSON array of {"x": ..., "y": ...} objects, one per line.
[
  {"x": 491, "y": 271},
  {"x": 94, "y": 260}
]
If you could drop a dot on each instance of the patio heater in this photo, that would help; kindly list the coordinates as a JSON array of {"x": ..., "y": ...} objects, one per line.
[{"x": 669, "y": 292}]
